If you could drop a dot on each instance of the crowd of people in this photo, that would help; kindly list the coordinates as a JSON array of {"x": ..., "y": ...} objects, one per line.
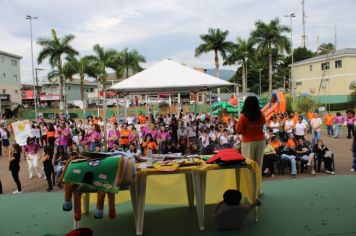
[{"x": 279, "y": 141}]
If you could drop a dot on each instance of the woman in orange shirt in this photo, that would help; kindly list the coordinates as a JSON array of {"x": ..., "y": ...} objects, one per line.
[
  {"x": 124, "y": 136},
  {"x": 149, "y": 143},
  {"x": 250, "y": 126}
]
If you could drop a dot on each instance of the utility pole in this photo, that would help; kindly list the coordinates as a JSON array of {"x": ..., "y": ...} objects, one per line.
[
  {"x": 303, "y": 22},
  {"x": 30, "y": 18},
  {"x": 291, "y": 16},
  {"x": 335, "y": 38}
]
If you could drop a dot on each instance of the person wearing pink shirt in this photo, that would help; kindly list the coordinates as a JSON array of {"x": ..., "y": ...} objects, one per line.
[
  {"x": 32, "y": 152},
  {"x": 95, "y": 138},
  {"x": 113, "y": 136}
]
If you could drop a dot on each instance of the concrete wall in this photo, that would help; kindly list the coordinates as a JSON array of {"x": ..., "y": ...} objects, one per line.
[{"x": 73, "y": 90}]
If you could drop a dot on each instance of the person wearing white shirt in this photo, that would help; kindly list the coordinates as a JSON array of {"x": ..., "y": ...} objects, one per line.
[
  {"x": 315, "y": 124},
  {"x": 274, "y": 125},
  {"x": 300, "y": 129},
  {"x": 288, "y": 125}
]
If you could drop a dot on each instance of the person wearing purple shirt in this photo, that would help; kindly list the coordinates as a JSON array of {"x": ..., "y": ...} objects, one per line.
[
  {"x": 113, "y": 136},
  {"x": 32, "y": 150},
  {"x": 163, "y": 136},
  {"x": 95, "y": 138},
  {"x": 350, "y": 122},
  {"x": 339, "y": 121},
  {"x": 63, "y": 137}
]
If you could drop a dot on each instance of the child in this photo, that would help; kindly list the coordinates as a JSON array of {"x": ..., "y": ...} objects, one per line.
[
  {"x": 354, "y": 154},
  {"x": 48, "y": 167},
  {"x": 230, "y": 214},
  {"x": 14, "y": 167}
]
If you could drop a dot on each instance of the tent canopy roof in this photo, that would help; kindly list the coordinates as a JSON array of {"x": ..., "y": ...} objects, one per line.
[{"x": 169, "y": 76}]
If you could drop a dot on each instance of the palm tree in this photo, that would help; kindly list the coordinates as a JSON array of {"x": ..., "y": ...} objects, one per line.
[
  {"x": 102, "y": 60},
  {"x": 214, "y": 41},
  {"x": 241, "y": 51},
  {"x": 128, "y": 61},
  {"x": 268, "y": 37},
  {"x": 326, "y": 48},
  {"x": 82, "y": 66},
  {"x": 54, "y": 48}
]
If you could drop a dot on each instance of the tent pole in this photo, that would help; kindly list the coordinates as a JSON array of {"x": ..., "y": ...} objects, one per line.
[
  {"x": 179, "y": 105},
  {"x": 211, "y": 111},
  {"x": 125, "y": 108}
]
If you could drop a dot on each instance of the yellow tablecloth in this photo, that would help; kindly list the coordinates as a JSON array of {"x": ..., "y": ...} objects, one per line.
[{"x": 170, "y": 189}]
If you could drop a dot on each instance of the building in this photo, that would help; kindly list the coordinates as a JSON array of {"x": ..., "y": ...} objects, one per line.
[
  {"x": 10, "y": 81},
  {"x": 50, "y": 91},
  {"x": 329, "y": 78}
]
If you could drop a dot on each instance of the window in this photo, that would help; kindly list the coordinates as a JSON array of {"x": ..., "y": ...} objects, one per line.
[
  {"x": 2, "y": 59},
  {"x": 310, "y": 67},
  {"x": 91, "y": 90},
  {"x": 298, "y": 83},
  {"x": 4, "y": 75},
  {"x": 16, "y": 91},
  {"x": 14, "y": 62},
  {"x": 352, "y": 85},
  {"x": 15, "y": 77},
  {"x": 3, "y": 90},
  {"x": 325, "y": 66},
  {"x": 338, "y": 64},
  {"x": 68, "y": 87}
]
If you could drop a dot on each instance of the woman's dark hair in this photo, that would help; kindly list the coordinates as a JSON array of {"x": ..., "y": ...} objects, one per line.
[
  {"x": 134, "y": 145},
  {"x": 51, "y": 127},
  {"x": 149, "y": 134},
  {"x": 251, "y": 108},
  {"x": 338, "y": 113},
  {"x": 29, "y": 139},
  {"x": 48, "y": 150},
  {"x": 17, "y": 148}
]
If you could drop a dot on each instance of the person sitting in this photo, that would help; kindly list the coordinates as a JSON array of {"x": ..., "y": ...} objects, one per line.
[
  {"x": 133, "y": 150},
  {"x": 169, "y": 148},
  {"x": 269, "y": 158},
  {"x": 322, "y": 153},
  {"x": 291, "y": 141},
  {"x": 305, "y": 154},
  {"x": 287, "y": 153},
  {"x": 230, "y": 213}
]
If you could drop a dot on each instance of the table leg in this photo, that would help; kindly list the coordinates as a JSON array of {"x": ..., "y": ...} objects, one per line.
[
  {"x": 75, "y": 224},
  {"x": 253, "y": 192},
  {"x": 86, "y": 203},
  {"x": 190, "y": 189},
  {"x": 133, "y": 195},
  {"x": 237, "y": 178},
  {"x": 141, "y": 195},
  {"x": 199, "y": 190}
]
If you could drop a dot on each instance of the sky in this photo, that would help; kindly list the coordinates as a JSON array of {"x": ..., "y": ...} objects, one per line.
[{"x": 161, "y": 29}]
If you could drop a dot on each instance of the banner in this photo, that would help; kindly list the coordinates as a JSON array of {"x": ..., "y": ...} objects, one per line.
[{"x": 22, "y": 130}]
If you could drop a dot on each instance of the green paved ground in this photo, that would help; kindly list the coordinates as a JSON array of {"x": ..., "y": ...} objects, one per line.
[{"x": 310, "y": 206}]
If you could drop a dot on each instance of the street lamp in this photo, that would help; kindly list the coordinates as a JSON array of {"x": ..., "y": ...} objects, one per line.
[
  {"x": 30, "y": 18},
  {"x": 37, "y": 98},
  {"x": 260, "y": 82},
  {"x": 291, "y": 16}
]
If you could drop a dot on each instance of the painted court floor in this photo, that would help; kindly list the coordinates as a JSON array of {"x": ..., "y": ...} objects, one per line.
[{"x": 310, "y": 206}]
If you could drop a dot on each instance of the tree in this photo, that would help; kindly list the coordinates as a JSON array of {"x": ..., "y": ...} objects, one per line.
[
  {"x": 54, "y": 48},
  {"x": 214, "y": 41},
  {"x": 240, "y": 51},
  {"x": 127, "y": 61},
  {"x": 82, "y": 66},
  {"x": 326, "y": 48},
  {"x": 101, "y": 61},
  {"x": 268, "y": 37}
]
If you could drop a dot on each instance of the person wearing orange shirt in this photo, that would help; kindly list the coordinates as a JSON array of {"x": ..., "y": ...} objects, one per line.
[
  {"x": 124, "y": 136},
  {"x": 250, "y": 126},
  {"x": 329, "y": 121},
  {"x": 291, "y": 142},
  {"x": 149, "y": 143},
  {"x": 225, "y": 119}
]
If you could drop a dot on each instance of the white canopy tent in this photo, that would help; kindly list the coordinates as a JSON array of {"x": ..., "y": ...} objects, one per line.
[{"x": 168, "y": 76}]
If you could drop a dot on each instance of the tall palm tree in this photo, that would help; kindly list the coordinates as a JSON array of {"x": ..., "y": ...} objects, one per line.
[
  {"x": 128, "y": 61},
  {"x": 82, "y": 66},
  {"x": 102, "y": 60},
  {"x": 214, "y": 41},
  {"x": 241, "y": 51},
  {"x": 269, "y": 36},
  {"x": 55, "y": 48}
]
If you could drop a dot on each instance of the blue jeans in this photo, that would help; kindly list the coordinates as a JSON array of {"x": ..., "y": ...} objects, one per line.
[
  {"x": 293, "y": 162},
  {"x": 316, "y": 136},
  {"x": 330, "y": 130},
  {"x": 338, "y": 131}
]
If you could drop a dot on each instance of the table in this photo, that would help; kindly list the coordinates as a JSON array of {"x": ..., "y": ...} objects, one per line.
[{"x": 195, "y": 183}]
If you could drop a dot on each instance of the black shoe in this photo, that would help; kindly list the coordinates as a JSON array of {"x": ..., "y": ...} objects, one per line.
[{"x": 49, "y": 189}]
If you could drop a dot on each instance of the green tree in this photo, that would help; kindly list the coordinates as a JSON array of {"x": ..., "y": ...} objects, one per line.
[
  {"x": 55, "y": 48},
  {"x": 82, "y": 66},
  {"x": 128, "y": 61},
  {"x": 214, "y": 41},
  {"x": 101, "y": 61},
  {"x": 326, "y": 48},
  {"x": 269, "y": 36},
  {"x": 240, "y": 52}
]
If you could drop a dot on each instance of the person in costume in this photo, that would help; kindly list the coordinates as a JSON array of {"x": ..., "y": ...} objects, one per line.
[{"x": 32, "y": 150}]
